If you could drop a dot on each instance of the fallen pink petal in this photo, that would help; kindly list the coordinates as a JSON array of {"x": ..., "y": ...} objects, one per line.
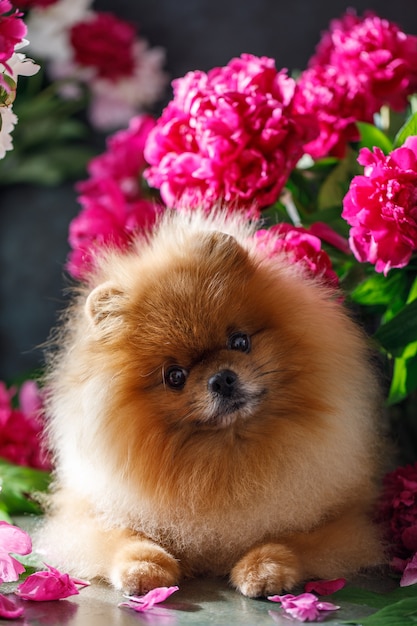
[
  {"x": 8, "y": 609},
  {"x": 325, "y": 587},
  {"x": 305, "y": 607},
  {"x": 409, "y": 576},
  {"x": 155, "y": 596},
  {"x": 12, "y": 540},
  {"x": 50, "y": 584}
]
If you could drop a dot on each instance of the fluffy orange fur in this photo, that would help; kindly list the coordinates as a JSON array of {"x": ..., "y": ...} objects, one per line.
[{"x": 162, "y": 471}]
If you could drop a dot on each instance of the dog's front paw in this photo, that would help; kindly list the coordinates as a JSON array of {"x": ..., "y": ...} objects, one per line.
[
  {"x": 141, "y": 565},
  {"x": 265, "y": 570}
]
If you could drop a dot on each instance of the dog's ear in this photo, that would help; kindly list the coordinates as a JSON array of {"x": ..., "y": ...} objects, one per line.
[
  {"x": 219, "y": 245},
  {"x": 105, "y": 305}
]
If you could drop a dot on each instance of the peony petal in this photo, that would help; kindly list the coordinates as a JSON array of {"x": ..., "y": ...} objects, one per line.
[
  {"x": 327, "y": 606},
  {"x": 143, "y": 603},
  {"x": 12, "y": 540},
  {"x": 409, "y": 576},
  {"x": 48, "y": 585},
  {"x": 275, "y": 598},
  {"x": 325, "y": 587},
  {"x": 304, "y": 607},
  {"x": 8, "y": 609}
]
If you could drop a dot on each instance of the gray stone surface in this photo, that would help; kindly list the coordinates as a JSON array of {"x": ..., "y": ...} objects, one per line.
[
  {"x": 202, "y": 602},
  {"x": 199, "y": 602}
]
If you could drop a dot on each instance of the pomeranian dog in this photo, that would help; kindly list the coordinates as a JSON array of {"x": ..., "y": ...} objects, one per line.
[{"x": 211, "y": 410}]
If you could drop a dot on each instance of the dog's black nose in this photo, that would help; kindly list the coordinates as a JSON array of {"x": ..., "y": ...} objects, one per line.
[{"x": 224, "y": 383}]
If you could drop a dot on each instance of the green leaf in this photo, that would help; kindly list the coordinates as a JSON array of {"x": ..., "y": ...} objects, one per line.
[
  {"x": 335, "y": 186},
  {"x": 372, "y": 136},
  {"x": 51, "y": 166},
  {"x": 4, "y": 515},
  {"x": 31, "y": 562},
  {"x": 404, "y": 376},
  {"x": 378, "y": 289},
  {"x": 403, "y": 613},
  {"x": 409, "y": 129},
  {"x": 7, "y": 96},
  {"x": 400, "y": 331},
  {"x": 357, "y": 595},
  {"x": 18, "y": 485}
]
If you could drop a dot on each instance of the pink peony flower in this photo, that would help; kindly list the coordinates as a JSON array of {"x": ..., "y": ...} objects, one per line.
[
  {"x": 21, "y": 428},
  {"x": 231, "y": 135},
  {"x": 121, "y": 73},
  {"x": 146, "y": 602},
  {"x": 398, "y": 512},
  {"x": 124, "y": 160},
  {"x": 381, "y": 207},
  {"x": 105, "y": 43},
  {"x": 12, "y": 31},
  {"x": 50, "y": 584},
  {"x": 114, "y": 209},
  {"x": 300, "y": 247},
  {"x": 375, "y": 53},
  {"x": 12, "y": 540},
  {"x": 114, "y": 103},
  {"x": 305, "y": 607},
  {"x": 337, "y": 102},
  {"x": 49, "y": 29}
]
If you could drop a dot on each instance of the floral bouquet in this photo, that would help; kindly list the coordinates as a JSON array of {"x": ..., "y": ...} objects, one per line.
[{"x": 327, "y": 161}]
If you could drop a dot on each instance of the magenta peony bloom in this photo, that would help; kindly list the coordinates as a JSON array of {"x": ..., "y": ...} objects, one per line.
[
  {"x": 229, "y": 136},
  {"x": 381, "y": 207},
  {"x": 21, "y": 429},
  {"x": 114, "y": 209},
  {"x": 12, "y": 31},
  {"x": 375, "y": 53},
  {"x": 105, "y": 43},
  {"x": 337, "y": 102},
  {"x": 123, "y": 160},
  {"x": 301, "y": 247},
  {"x": 398, "y": 511},
  {"x": 305, "y": 607}
]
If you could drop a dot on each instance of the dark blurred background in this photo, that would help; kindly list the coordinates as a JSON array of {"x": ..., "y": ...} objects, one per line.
[{"x": 196, "y": 34}]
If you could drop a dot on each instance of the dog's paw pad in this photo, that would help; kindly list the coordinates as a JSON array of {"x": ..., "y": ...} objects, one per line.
[
  {"x": 142, "y": 568},
  {"x": 266, "y": 570}
]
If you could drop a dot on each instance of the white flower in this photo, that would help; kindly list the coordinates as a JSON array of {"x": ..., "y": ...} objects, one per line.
[
  {"x": 20, "y": 65},
  {"x": 49, "y": 28},
  {"x": 115, "y": 102},
  {"x": 17, "y": 65},
  {"x": 8, "y": 121}
]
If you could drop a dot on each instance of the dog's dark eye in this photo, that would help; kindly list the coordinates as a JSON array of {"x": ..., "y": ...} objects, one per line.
[
  {"x": 176, "y": 377},
  {"x": 240, "y": 342}
]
